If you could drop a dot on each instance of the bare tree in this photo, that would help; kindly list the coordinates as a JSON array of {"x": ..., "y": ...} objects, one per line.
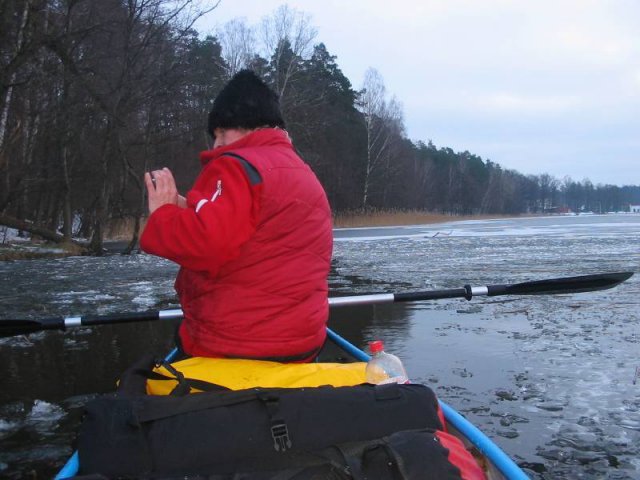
[
  {"x": 383, "y": 121},
  {"x": 237, "y": 41},
  {"x": 287, "y": 36},
  {"x": 548, "y": 190},
  {"x": 20, "y": 41},
  {"x": 493, "y": 198},
  {"x": 90, "y": 71}
]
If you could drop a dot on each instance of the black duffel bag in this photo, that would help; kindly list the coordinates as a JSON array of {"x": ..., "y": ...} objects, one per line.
[{"x": 324, "y": 432}]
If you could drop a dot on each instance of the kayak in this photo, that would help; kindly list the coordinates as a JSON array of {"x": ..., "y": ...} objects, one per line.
[{"x": 495, "y": 463}]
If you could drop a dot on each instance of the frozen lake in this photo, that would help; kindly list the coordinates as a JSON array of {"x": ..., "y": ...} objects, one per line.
[{"x": 549, "y": 378}]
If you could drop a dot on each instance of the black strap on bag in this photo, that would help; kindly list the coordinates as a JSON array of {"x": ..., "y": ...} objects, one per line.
[
  {"x": 279, "y": 430},
  {"x": 133, "y": 381},
  {"x": 185, "y": 385}
]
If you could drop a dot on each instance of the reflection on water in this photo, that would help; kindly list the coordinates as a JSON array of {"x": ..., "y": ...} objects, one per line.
[{"x": 550, "y": 379}]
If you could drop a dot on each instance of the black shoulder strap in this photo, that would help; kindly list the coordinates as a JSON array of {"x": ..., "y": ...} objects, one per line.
[
  {"x": 133, "y": 381},
  {"x": 184, "y": 384},
  {"x": 252, "y": 172}
]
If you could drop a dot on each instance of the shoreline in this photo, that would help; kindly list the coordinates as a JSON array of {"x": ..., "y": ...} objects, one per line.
[
  {"x": 35, "y": 250},
  {"x": 401, "y": 219}
]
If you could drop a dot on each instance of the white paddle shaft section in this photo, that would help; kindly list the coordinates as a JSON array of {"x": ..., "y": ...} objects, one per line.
[
  {"x": 362, "y": 299},
  {"x": 70, "y": 322},
  {"x": 478, "y": 291},
  {"x": 170, "y": 314}
]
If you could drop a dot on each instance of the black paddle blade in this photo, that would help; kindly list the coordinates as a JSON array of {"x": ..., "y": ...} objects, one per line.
[
  {"x": 11, "y": 328},
  {"x": 585, "y": 283}
]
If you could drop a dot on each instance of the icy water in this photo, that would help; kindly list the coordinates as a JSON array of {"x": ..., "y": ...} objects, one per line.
[{"x": 549, "y": 378}]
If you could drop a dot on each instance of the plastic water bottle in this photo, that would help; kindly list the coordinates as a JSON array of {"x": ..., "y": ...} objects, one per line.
[{"x": 384, "y": 367}]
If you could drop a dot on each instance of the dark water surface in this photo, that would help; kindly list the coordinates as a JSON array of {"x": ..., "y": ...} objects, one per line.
[{"x": 549, "y": 378}]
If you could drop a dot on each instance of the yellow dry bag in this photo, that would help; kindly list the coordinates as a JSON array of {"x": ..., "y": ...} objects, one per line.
[{"x": 238, "y": 374}]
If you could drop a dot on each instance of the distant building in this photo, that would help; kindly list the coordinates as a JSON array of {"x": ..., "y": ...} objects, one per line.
[
  {"x": 558, "y": 210},
  {"x": 634, "y": 208}
]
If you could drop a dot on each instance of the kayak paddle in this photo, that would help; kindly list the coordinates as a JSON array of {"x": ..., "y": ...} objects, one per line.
[
  {"x": 553, "y": 286},
  {"x": 585, "y": 283}
]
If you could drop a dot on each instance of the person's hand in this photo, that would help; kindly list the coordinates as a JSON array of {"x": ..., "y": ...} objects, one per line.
[{"x": 162, "y": 190}]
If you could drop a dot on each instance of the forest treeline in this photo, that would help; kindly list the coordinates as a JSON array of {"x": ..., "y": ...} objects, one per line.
[{"x": 96, "y": 92}]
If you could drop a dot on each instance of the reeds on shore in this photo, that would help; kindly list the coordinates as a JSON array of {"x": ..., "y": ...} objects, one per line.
[
  {"x": 122, "y": 229},
  {"x": 389, "y": 218}
]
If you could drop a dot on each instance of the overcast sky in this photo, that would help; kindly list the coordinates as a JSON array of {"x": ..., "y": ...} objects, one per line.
[{"x": 539, "y": 86}]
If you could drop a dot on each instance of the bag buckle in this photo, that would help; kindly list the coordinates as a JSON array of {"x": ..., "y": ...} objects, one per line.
[{"x": 280, "y": 435}]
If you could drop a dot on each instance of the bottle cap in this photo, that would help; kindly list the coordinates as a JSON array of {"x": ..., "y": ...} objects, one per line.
[{"x": 376, "y": 346}]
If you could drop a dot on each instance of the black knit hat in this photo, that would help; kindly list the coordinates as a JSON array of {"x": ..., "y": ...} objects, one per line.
[{"x": 245, "y": 102}]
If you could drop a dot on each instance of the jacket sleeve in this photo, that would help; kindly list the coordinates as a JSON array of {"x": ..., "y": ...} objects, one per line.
[{"x": 220, "y": 216}]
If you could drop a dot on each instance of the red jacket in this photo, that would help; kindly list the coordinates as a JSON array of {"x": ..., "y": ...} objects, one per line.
[{"x": 255, "y": 246}]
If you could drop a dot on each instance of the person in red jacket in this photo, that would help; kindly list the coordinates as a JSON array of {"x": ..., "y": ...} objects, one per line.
[{"x": 253, "y": 237}]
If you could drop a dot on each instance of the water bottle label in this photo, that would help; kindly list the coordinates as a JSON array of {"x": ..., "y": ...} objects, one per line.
[{"x": 403, "y": 380}]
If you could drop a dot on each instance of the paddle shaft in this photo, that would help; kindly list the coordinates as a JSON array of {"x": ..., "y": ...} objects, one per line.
[{"x": 585, "y": 283}]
